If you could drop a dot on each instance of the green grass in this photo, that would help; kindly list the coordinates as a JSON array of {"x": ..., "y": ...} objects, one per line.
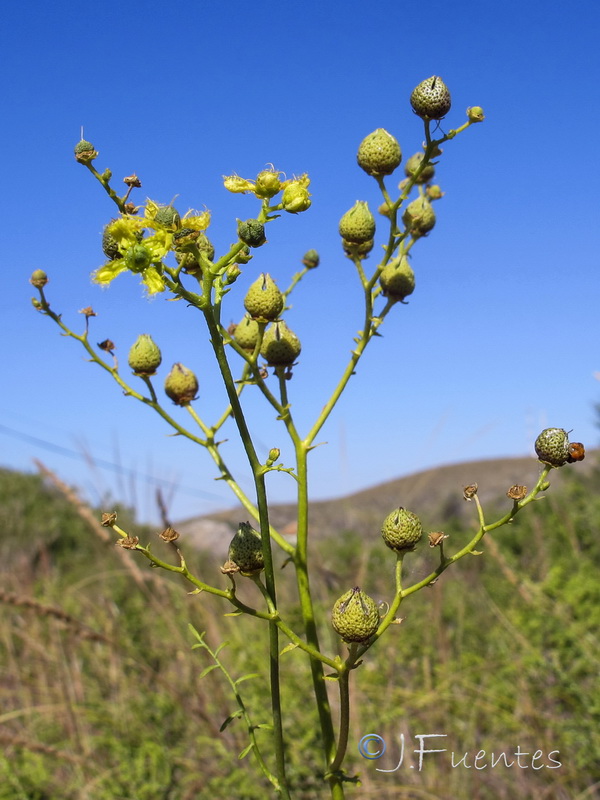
[{"x": 101, "y": 696}]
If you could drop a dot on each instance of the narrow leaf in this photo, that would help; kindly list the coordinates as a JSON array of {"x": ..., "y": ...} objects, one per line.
[
  {"x": 220, "y": 647},
  {"x": 207, "y": 670},
  {"x": 245, "y": 751},
  {"x": 247, "y": 677},
  {"x": 229, "y": 720}
]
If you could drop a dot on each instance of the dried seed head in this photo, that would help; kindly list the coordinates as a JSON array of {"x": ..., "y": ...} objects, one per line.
[
  {"x": 169, "y": 535},
  {"x": 517, "y": 492},
  {"x": 470, "y": 491}
]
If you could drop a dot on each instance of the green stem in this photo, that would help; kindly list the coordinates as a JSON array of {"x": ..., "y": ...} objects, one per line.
[
  {"x": 483, "y": 529},
  {"x": 304, "y": 591},
  {"x": 370, "y": 326},
  {"x": 211, "y": 316},
  {"x": 344, "y": 729},
  {"x": 119, "y": 201},
  {"x": 251, "y": 729},
  {"x": 149, "y": 401},
  {"x": 305, "y": 597}
]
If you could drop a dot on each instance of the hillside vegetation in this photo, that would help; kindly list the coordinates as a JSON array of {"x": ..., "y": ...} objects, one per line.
[{"x": 103, "y": 698}]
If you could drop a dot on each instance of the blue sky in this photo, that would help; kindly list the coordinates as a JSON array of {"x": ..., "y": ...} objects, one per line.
[{"x": 501, "y": 336}]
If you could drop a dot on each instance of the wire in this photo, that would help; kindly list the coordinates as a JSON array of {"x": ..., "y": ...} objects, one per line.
[{"x": 107, "y": 465}]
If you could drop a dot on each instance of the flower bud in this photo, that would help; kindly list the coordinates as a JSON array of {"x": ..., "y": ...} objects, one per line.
[
  {"x": 237, "y": 185},
  {"x": 244, "y": 256},
  {"x": 431, "y": 98},
  {"x": 246, "y": 333},
  {"x": 181, "y": 385},
  {"x": 379, "y": 153},
  {"x": 475, "y": 114},
  {"x": 188, "y": 263},
  {"x": 361, "y": 250},
  {"x": 168, "y": 217},
  {"x": 110, "y": 246},
  {"x": 295, "y": 198},
  {"x": 414, "y": 163},
  {"x": 38, "y": 279},
  {"x": 184, "y": 238},
  {"x": 401, "y": 530},
  {"x": 232, "y": 273},
  {"x": 433, "y": 192},
  {"x": 84, "y": 152},
  {"x": 397, "y": 279},
  {"x": 419, "y": 217},
  {"x": 358, "y": 224},
  {"x": 245, "y": 550},
  {"x": 273, "y": 456},
  {"x": 264, "y": 300},
  {"x": 355, "y": 616},
  {"x": 138, "y": 258},
  {"x": 268, "y": 184},
  {"x": 311, "y": 259},
  {"x": 280, "y": 346},
  {"x": 251, "y": 232},
  {"x": 144, "y": 356}
]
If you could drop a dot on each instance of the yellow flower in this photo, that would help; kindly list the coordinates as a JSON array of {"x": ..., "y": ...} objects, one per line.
[
  {"x": 295, "y": 198},
  {"x": 142, "y": 256},
  {"x": 109, "y": 271},
  {"x": 196, "y": 220},
  {"x": 237, "y": 185},
  {"x": 303, "y": 181},
  {"x": 126, "y": 230},
  {"x": 150, "y": 209},
  {"x": 153, "y": 280}
]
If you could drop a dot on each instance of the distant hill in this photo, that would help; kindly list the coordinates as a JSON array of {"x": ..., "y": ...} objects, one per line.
[{"x": 436, "y": 495}]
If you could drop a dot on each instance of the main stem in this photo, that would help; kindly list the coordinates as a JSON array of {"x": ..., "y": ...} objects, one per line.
[
  {"x": 302, "y": 449},
  {"x": 312, "y": 637},
  {"x": 263, "y": 509}
]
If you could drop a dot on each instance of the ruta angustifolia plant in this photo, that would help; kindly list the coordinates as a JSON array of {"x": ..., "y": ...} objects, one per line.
[{"x": 172, "y": 254}]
